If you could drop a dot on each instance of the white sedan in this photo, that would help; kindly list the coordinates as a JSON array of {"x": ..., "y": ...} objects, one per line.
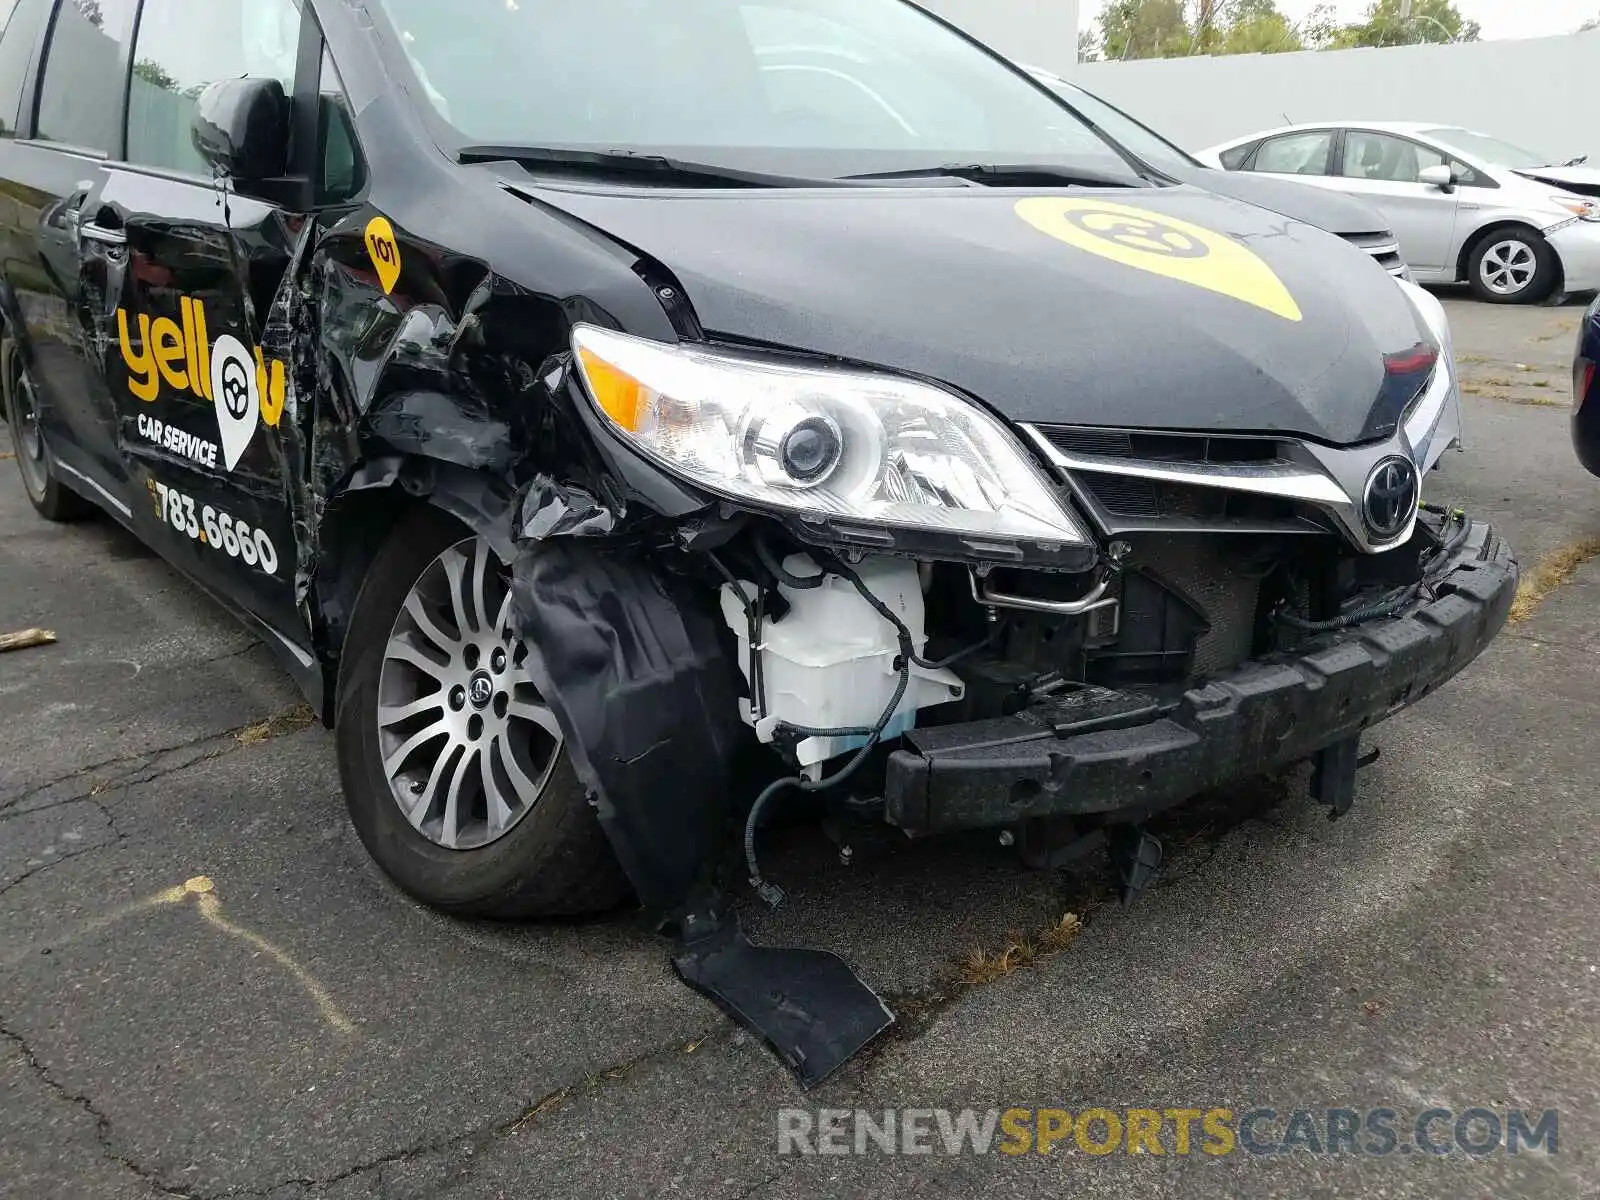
[{"x": 1467, "y": 207}]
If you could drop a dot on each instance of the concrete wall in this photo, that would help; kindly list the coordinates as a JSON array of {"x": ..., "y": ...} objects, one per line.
[
  {"x": 1537, "y": 92},
  {"x": 1040, "y": 33}
]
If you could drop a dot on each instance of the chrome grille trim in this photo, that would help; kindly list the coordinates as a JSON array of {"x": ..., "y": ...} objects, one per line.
[
  {"x": 1330, "y": 479},
  {"x": 1286, "y": 480}
]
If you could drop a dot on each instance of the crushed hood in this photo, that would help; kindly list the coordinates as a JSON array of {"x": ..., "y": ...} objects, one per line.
[{"x": 1164, "y": 308}]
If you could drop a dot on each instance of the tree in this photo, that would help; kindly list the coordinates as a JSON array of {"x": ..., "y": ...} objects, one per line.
[
  {"x": 1168, "y": 28},
  {"x": 1144, "y": 29},
  {"x": 1430, "y": 21},
  {"x": 1267, "y": 34},
  {"x": 1591, "y": 23},
  {"x": 155, "y": 74},
  {"x": 1320, "y": 29},
  {"x": 91, "y": 12}
]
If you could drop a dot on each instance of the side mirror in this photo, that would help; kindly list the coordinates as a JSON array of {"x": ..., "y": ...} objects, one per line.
[
  {"x": 241, "y": 128},
  {"x": 1441, "y": 177}
]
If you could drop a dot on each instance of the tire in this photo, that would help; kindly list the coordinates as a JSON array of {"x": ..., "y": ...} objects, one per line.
[
  {"x": 1513, "y": 266},
  {"x": 552, "y": 859},
  {"x": 52, "y": 499}
]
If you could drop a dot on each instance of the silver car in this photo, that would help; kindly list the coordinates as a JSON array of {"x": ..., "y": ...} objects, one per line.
[
  {"x": 1362, "y": 225},
  {"x": 1467, "y": 207}
]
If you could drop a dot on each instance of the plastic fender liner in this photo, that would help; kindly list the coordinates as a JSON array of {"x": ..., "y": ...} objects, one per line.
[
  {"x": 808, "y": 1005},
  {"x": 631, "y": 661}
]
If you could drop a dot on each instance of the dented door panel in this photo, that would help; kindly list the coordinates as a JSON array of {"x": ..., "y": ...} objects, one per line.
[{"x": 198, "y": 403}]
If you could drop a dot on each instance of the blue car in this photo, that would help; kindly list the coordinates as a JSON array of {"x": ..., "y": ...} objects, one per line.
[{"x": 1586, "y": 391}]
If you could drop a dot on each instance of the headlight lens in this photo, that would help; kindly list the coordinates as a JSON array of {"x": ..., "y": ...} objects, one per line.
[
  {"x": 1588, "y": 210},
  {"x": 847, "y": 444}
]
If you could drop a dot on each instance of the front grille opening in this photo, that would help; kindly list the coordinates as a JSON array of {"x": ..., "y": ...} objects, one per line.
[
  {"x": 1159, "y": 499},
  {"x": 1161, "y": 447}
]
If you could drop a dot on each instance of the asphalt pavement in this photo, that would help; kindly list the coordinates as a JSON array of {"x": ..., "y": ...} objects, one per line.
[{"x": 207, "y": 990}]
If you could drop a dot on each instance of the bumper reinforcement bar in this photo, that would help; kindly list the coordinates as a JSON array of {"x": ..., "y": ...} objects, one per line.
[{"x": 1102, "y": 752}]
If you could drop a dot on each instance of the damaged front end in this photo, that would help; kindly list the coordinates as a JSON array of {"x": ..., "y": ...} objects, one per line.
[{"x": 936, "y": 621}]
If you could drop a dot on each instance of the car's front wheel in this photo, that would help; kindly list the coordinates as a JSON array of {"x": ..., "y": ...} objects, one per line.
[
  {"x": 454, "y": 767},
  {"x": 1513, "y": 266},
  {"x": 52, "y": 498}
]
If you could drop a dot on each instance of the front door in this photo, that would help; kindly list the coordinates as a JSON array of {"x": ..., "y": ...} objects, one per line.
[
  {"x": 198, "y": 403},
  {"x": 1385, "y": 171}
]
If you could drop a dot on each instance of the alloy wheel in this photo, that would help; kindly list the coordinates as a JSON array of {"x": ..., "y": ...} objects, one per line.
[
  {"x": 22, "y": 406},
  {"x": 1508, "y": 267},
  {"x": 467, "y": 743}
]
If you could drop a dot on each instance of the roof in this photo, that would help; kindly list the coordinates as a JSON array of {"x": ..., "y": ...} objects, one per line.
[{"x": 1411, "y": 127}]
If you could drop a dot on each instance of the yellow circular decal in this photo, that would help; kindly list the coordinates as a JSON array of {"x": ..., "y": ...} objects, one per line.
[
  {"x": 385, "y": 252},
  {"x": 1162, "y": 245}
]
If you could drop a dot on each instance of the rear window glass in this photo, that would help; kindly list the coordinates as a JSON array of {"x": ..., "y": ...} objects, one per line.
[{"x": 1233, "y": 159}]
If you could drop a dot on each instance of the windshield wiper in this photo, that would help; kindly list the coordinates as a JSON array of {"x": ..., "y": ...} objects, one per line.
[
  {"x": 1008, "y": 175},
  {"x": 630, "y": 162},
  {"x": 1576, "y": 162}
]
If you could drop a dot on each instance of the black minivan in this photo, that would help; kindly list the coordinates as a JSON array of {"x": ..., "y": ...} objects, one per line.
[{"x": 622, "y": 414}]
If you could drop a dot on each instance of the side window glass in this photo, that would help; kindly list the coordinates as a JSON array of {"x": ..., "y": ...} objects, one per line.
[
  {"x": 1388, "y": 159},
  {"x": 1295, "y": 153},
  {"x": 1467, "y": 177},
  {"x": 344, "y": 171},
  {"x": 186, "y": 45},
  {"x": 82, "y": 90},
  {"x": 1233, "y": 159},
  {"x": 21, "y": 23}
]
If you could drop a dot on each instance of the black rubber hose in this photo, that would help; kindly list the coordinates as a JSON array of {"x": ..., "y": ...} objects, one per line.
[
  {"x": 803, "y": 583},
  {"x": 758, "y": 683},
  {"x": 771, "y": 892}
]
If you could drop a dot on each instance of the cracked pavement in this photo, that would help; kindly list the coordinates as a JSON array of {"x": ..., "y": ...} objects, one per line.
[{"x": 291, "y": 1026}]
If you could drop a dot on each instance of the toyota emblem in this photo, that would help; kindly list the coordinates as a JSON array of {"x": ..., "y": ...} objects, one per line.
[{"x": 1391, "y": 498}]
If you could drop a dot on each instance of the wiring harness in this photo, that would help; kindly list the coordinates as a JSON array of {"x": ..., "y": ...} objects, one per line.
[{"x": 1435, "y": 564}]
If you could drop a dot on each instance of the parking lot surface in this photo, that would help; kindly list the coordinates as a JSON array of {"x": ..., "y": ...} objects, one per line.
[{"x": 207, "y": 990}]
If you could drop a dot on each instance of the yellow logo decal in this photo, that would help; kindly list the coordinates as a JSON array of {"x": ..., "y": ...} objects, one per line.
[
  {"x": 385, "y": 253},
  {"x": 182, "y": 355},
  {"x": 1162, "y": 245}
]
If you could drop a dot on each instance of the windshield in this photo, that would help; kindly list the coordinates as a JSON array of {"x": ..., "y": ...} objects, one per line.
[
  {"x": 1141, "y": 142},
  {"x": 811, "y": 87},
  {"x": 1489, "y": 149}
]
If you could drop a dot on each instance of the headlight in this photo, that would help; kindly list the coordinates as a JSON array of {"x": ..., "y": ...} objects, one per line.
[
  {"x": 849, "y": 444},
  {"x": 1585, "y": 209}
]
